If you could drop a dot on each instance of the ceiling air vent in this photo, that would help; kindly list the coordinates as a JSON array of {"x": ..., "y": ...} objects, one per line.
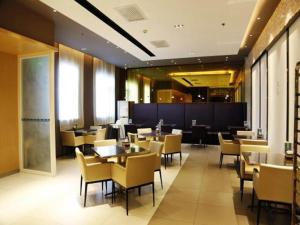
[
  {"x": 131, "y": 13},
  {"x": 160, "y": 44}
]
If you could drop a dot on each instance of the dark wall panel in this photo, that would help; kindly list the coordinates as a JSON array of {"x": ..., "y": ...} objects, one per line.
[
  {"x": 229, "y": 114},
  {"x": 145, "y": 114},
  {"x": 203, "y": 113},
  {"x": 88, "y": 94},
  {"x": 171, "y": 114}
]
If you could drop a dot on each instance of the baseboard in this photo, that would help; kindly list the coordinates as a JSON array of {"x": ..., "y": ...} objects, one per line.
[{"x": 9, "y": 173}]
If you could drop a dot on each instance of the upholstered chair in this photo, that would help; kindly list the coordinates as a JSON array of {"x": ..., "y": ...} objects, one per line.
[
  {"x": 246, "y": 170},
  {"x": 107, "y": 142},
  {"x": 100, "y": 135},
  {"x": 92, "y": 170},
  {"x": 156, "y": 147},
  {"x": 172, "y": 145},
  {"x": 139, "y": 171},
  {"x": 69, "y": 139},
  {"x": 272, "y": 184},
  {"x": 132, "y": 137},
  {"x": 228, "y": 147},
  {"x": 176, "y": 131},
  {"x": 141, "y": 131}
]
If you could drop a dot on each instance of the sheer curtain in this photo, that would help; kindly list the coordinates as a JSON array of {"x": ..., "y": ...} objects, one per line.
[
  {"x": 104, "y": 92},
  {"x": 70, "y": 88},
  {"x": 132, "y": 88}
]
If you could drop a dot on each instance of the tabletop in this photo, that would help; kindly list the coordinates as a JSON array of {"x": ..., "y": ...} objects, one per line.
[
  {"x": 256, "y": 158},
  {"x": 118, "y": 151},
  {"x": 154, "y": 134}
]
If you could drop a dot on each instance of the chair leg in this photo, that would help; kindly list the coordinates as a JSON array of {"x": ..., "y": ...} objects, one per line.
[
  {"x": 80, "y": 184},
  {"x": 258, "y": 212},
  {"x": 165, "y": 161},
  {"x": 85, "y": 192},
  {"x": 242, "y": 188},
  {"x": 171, "y": 158},
  {"x": 221, "y": 159},
  {"x": 112, "y": 192},
  {"x": 105, "y": 186},
  {"x": 161, "y": 183},
  {"x": 252, "y": 201},
  {"x": 139, "y": 191},
  {"x": 180, "y": 158},
  {"x": 153, "y": 194},
  {"x": 127, "y": 202}
]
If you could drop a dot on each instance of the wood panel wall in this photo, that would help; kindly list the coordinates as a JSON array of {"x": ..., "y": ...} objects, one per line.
[{"x": 9, "y": 145}]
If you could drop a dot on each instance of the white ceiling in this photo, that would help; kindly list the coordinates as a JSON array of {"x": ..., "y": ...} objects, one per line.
[{"x": 202, "y": 35}]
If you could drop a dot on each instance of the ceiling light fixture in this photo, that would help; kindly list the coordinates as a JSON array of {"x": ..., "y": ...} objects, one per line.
[
  {"x": 54, "y": 10},
  {"x": 258, "y": 18},
  {"x": 83, "y": 49},
  {"x": 107, "y": 42},
  {"x": 178, "y": 26},
  {"x": 250, "y": 35}
]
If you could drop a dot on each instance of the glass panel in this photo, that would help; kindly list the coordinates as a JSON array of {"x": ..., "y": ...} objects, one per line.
[{"x": 36, "y": 113}]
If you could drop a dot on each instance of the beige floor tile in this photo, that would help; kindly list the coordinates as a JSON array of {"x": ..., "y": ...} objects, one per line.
[
  {"x": 216, "y": 198},
  {"x": 215, "y": 215},
  {"x": 173, "y": 210},
  {"x": 160, "y": 221}
]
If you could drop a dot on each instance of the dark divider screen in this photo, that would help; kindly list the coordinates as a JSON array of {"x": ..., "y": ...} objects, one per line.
[
  {"x": 171, "y": 114},
  {"x": 145, "y": 114},
  {"x": 203, "y": 113},
  {"x": 229, "y": 114}
]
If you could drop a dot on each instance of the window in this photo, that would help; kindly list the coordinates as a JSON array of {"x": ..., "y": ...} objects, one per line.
[
  {"x": 104, "y": 92},
  {"x": 147, "y": 82},
  {"x": 70, "y": 77}
]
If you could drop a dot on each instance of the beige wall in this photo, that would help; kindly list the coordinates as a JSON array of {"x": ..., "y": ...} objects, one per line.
[
  {"x": 284, "y": 12},
  {"x": 9, "y": 152}
]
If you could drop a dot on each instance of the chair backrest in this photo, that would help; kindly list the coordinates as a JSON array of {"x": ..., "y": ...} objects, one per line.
[
  {"x": 276, "y": 183},
  {"x": 176, "y": 131},
  {"x": 100, "y": 134},
  {"x": 81, "y": 161},
  {"x": 221, "y": 141},
  {"x": 132, "y": 137},
  {"x": 255, "y": 148},
  {"x": 172, "y": 143},
  {"x": 95, "y": 127},
  {"x": 253, "y": 142},
  {"x": 107, "y": 142},
  {"x": 144, "y": 130},
  {"x": 156, "y": 147},
  {"x": 249, "y": 133},
  {"x": 140, "y": 169},
  {"x": 68, "y": 138}
]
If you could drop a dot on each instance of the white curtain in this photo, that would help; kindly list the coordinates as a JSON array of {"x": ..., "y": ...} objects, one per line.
[
  {"x": 104, "y": 92},
  {"x": 70, "y": 88},
  {"x": 255, "y": 96},
  {"x": 146, "y": 90},
  {"x": 132, "y": 88}
]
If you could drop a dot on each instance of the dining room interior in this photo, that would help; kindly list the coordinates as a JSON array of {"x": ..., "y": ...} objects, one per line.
[{"x": 150, "y": 112}]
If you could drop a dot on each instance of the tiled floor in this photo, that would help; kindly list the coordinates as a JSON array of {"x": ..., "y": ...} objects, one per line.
[
  {"x": 198, "y": 193},
  {"x": 203, "y": 194},
  {"x": 28, "y": 199}
]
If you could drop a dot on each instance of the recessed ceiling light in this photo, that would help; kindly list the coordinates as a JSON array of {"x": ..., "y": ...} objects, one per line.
[
  {"x": 107, "y": 42},
  {"x": 177, "y": 26},
  {"x": 83, "y": 49},
  {"x": 258, "y": 18},
  {"x": 246, "y": 46},
  {"x": 250, "y": 35},
  {"x": 54, "y": 10},
  {"x": 117, "y": 47},
  {"x": 175, "y": 63}
]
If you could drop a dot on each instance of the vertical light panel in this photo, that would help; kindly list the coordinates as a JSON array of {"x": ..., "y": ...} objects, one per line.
[
  {"x": 263, "y": 94},
  {"x": 277, "y": 95},
  {"x": 294, "y": 57},
  {"x": 255, "y": 96}
]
